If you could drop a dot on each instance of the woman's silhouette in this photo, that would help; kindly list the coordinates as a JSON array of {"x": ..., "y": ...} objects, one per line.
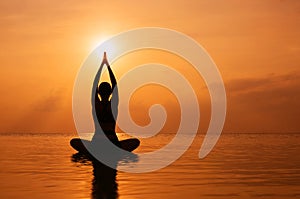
[{"x": 105, "y": 112}]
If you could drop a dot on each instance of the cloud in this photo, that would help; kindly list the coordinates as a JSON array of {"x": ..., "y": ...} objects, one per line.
[
  {"x": 271, "y": 81},
  {"x": 269, "y": 103},
  {"x": 41, "y": 115},
  {"x": 49, "y": 103}
]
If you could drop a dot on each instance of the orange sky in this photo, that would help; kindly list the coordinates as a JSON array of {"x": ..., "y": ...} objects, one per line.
[{"x": 255, "y": 44}]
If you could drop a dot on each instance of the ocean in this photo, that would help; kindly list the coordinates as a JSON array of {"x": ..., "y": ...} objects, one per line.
[{"x": 257, "y": 165}]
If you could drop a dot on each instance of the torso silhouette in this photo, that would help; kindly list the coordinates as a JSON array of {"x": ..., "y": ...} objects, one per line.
[{"x": 105, "y": 118}]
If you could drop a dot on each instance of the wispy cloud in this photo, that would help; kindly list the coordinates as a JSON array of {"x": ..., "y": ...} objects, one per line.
[{"x": 268, "y": 103}]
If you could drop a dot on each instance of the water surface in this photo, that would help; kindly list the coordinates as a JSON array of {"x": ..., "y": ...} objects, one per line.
[{"x": 240, "y": 166}]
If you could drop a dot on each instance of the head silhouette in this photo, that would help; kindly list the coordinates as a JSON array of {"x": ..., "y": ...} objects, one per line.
[{"x": 104, "y": 90}]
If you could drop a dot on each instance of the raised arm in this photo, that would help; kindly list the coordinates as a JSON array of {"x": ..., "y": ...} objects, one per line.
[
  {"x": 114, "y": 87},
  {"x": 95, "y": 84},
  {"x": 111, "y": 74}
]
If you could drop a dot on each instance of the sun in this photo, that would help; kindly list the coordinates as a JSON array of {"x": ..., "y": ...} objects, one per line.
[
  {"x": 104, "y": 43},
  {"x": 98, "y": 40}
]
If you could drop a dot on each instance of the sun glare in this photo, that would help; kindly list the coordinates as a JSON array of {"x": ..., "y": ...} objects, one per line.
[
  {"x": 95, "y": 42},
  {"x": 106, "y": 44}
]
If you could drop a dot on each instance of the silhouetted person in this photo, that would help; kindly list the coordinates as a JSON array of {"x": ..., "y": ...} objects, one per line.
[
  {"x": 105, "y": 112},
  {"x": 103, "y": 107}
]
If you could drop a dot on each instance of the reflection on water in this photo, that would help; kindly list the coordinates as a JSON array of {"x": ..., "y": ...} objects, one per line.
[
  {"x": 104, "y": 183},
  {"x": 240, "y": 166}
]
